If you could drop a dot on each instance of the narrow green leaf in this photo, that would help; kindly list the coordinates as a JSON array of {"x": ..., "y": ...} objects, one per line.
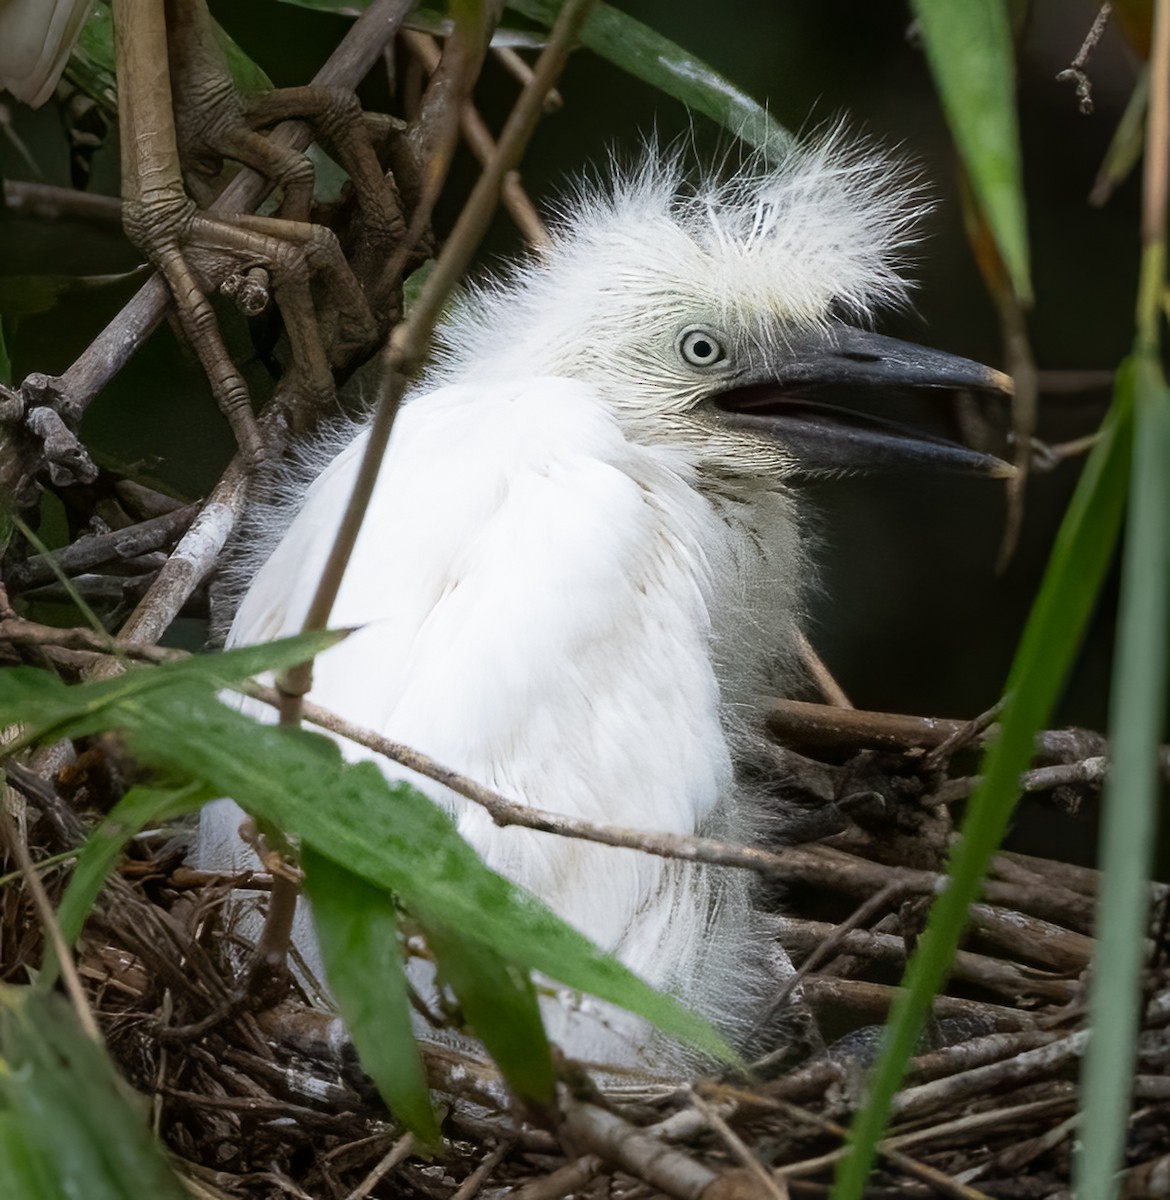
[
  {"x": 969, "y": 48},
  {"x": 663, "y": 64},
  {"x": 358, "y": 933},
  {"x": 500, "y": 1004},
  {"x": 1056, "y": 625},
  {"x": 392, "y": 836},
  {"x": 1130, "y": 804},
  {"x": 46, "y": 706},
  {"x": 61, "y": 1098},
  {"x": 1125, "y": 147}
]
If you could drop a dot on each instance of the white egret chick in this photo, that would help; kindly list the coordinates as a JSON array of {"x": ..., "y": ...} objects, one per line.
[{"x": 583, "y": 567}]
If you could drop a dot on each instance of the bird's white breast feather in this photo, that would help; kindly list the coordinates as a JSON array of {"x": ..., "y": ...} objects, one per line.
[{"x": 535, "y": 596}]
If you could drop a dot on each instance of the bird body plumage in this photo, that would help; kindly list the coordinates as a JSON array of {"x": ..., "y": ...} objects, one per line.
[{"x": 576, "y": 585}]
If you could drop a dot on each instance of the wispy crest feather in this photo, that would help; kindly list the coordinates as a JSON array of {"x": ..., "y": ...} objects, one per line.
[{"x": 825, "y": 232}]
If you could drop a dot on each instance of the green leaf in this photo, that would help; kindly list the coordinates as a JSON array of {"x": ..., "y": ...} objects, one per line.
[
  {"x": 357, "y": 930},
  {"x": 1125, "y": 148},
  {"x": 648, "y": 56},
  {"x": 392, "y": 836},
  {"x": 969, "y": 48},
  {"x": 1130, "y": 803},
  {"x": 1056, "y": 625},
  {"x": 46, "y": 706},
  {"x": 67, "y": 1127},
  {"x": 93, "y": 63},
  {"x": 500, "y": 1004},
  {"x": 28, "y": 295}
]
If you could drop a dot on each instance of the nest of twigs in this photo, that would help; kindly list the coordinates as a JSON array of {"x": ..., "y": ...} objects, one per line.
[{"x": 267, "y": 1102}]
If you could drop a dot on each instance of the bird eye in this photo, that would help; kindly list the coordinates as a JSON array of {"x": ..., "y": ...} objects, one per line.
[{"x": 700, "y": 347}]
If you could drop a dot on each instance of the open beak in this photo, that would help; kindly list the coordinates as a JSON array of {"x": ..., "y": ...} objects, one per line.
[{"x": 826, "y": 438}]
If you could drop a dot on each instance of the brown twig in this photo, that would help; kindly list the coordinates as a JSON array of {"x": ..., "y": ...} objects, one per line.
[
  {"x": 478, "y": 137},
  {"x": 94, "y": 549},
  {"x": 50, "y": 202}
]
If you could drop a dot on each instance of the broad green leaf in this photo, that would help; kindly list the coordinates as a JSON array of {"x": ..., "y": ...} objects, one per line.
[
  {"x": 45, "y": 705},
  {"x": 1132, "y": 792},
  {"x": 663, "y": 64},
  {"x": 1056, "y": 625},
  {"x": 392, "y": 836},
  {"x": 969, "y": 47},
  {"x": 500, "y": 1004},
  {"x": 66, "y": 1122},
  {"x": 357, "y": 929}
]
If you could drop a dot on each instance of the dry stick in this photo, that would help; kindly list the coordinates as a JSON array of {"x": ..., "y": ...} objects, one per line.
[
  {"x": 49, "y": 202},
  {"x": 397, "y": 1154},
  {"x": 773, "y": 1187},
  {"x": 44, "y": 907},
  {"x": 928, "y": 1097},
  {"x": 471, "y": 1185},
  {"x": 1021, "y": 366},
  {"x": 831, "y": 691},
  {"x": 993, "y": 974},
  {"x": 511, "y": 61},
  {"x": 93, "y": 549},
  {"x": 588, "y": 1127},
  {"x": 939, "y": 1180},
  {"x": 194, "y": 556},
  {"x": 572, "y": 1177}
]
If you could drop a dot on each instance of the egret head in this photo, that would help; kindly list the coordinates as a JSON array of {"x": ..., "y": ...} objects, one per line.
[{"x": 721, "y": 315}]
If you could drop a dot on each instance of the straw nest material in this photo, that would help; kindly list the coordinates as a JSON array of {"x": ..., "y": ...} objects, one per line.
[{"x": 272, "y": 1102}]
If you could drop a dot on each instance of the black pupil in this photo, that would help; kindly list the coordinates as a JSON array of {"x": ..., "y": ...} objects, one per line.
[{"x": 701, "y": 348}]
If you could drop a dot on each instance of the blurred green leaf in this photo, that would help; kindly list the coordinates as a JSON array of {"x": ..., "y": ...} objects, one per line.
[
  {"x": 1125, "y": 148},
  {"x": 357, "y": 929},
  {"x": 67, "y": 1127},
  {"x": 663, "y": 64},
  {"x": 92, "y": 66},
  {"x": 1137, "y": 713},
  {"x": 5, "y": 361},
  {"x": 28, "y": 295},
  {"x": 969, "y": 47},
  {"x": 1072, "y": 581}
]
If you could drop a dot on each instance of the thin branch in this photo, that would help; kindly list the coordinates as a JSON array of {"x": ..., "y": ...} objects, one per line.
[{"x": 478, "y": 137}]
